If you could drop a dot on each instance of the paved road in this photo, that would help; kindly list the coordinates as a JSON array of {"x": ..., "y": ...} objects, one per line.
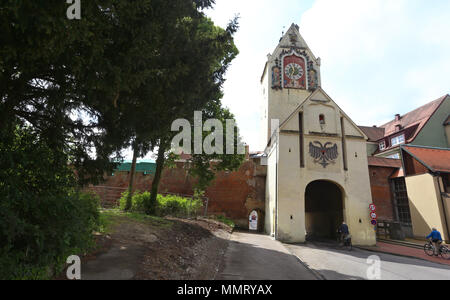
[
  {"x": 333, "y": 263},
  {"x": 259, "y": 257}
]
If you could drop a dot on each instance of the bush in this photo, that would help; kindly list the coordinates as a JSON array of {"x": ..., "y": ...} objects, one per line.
[
  {"x": 166, "y": 205},
  {"x": 43, "y": 219}
]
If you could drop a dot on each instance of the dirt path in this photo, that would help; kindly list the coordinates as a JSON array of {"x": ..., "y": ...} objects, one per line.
[{"x": 158, "y": 249}]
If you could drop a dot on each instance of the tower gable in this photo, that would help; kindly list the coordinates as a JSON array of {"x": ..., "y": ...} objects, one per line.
[
  {"x": 292, "y": 65},
  {"x": 322, "y": 116}
]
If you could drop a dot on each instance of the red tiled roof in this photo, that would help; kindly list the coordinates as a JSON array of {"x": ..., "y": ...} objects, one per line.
[
  {"x": 384, "y": 162},
  {"x": 435, "y": 159},
  {"x": 418, "y": 118},
  {"x": 373, "y": 133}
]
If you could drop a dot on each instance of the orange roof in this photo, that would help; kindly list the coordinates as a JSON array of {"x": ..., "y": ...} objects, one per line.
[
  {"x": 435, "y": 159},
  {"x": 384, "y": 162}
]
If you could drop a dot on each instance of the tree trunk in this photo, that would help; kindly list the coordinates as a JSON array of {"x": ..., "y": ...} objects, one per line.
[
  {"x": 131, "y": 183},
  {"x": 150, "y": 207}
]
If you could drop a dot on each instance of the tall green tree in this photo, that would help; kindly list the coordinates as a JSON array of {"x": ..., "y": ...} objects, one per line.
[{"x": 204, "y": 55}]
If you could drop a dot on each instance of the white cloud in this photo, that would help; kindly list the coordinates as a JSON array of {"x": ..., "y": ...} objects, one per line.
[{"x": 380, "y": 57}]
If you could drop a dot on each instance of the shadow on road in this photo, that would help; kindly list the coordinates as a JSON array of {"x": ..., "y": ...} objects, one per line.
[{"x": 363, "y": 254}]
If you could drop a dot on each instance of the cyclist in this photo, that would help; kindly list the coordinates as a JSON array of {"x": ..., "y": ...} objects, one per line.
[
  {"x": 436, "y": 238},
  {"x": 344, "y": 232}
]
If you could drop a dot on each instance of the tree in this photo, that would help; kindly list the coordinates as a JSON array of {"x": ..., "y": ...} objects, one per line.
[
  {"x": 204, "y": 55},
  {"x": 86, "y": 84},
  {"x": 204, "y": 167}
]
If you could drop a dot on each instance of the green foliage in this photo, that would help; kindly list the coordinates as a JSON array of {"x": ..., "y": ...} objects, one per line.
[
  {"x": 114, "y": 217},
  {"x": 202, "y": 167},
  {"x": 225, "y": 220},
  {"x": 169, "y": 205},
  {"x": 43, "y": 219}
]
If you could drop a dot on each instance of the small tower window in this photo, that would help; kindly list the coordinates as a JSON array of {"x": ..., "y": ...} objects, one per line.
[{"x": 322, "y": 119}]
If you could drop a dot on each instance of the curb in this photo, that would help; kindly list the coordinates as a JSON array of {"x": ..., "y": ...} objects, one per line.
[
  {"x": 314, "y": 272},
  {"x": 401, "y": 255}
]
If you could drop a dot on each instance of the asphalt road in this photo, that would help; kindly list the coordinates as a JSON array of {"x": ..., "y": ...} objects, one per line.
[
  {"x": 259, "y": 257},
  {"x": 333, "y": 263}
]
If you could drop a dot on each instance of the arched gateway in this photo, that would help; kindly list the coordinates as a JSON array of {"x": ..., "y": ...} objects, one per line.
[{"x": 324, "y": 210}]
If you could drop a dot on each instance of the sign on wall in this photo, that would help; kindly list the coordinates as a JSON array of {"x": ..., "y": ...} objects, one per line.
[{"x": 253, "y": 221}]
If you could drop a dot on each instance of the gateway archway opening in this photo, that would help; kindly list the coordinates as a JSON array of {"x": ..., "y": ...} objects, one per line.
[{"x": 324, "y": 210}]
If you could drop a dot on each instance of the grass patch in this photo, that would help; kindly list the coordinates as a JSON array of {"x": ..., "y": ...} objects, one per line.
[
  {"x": 224, "y": 220},
  {"x": 111, "y": 217}
]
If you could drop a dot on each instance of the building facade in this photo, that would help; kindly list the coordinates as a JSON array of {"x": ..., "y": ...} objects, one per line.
[
  {"x": 403, "y": 184},
  {"x": 317, "y": 169}
]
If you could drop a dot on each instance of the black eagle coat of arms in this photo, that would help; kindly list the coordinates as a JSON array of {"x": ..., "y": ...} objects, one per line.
[{"x": 323, "y": 154}]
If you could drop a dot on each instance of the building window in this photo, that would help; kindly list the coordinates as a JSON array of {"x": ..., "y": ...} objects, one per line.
[
  {"x": 401, "y": 200},
  {"x": 322, "y": 119},
  {"x": 394, "y": 156},
  {"x": 382, "y": 145},
  {"x": 398, "y": 140}
]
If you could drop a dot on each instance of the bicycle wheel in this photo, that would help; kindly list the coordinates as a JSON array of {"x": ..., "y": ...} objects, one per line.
[
  {"x": 445, "y": 252},
  {"x": 429, "y": 249},
  {"x": 349, "y": 245}
]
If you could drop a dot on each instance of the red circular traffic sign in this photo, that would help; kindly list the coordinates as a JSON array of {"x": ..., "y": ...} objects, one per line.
[
  {"x": 373, "y": 207},
  {"x": 373, "y": 216}
]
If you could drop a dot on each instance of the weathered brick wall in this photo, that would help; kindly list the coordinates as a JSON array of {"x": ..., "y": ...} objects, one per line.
[
  {"x": 233, "y": 194},
  {"x": 381, "y": 192}
]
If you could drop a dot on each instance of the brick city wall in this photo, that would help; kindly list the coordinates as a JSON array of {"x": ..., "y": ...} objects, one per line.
[
  {"x": 381, "y": 192},
  {"x": 233, "y": 194}
]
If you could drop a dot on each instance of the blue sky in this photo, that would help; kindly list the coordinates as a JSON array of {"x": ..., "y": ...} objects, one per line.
[{"x": 379, "y": 57}]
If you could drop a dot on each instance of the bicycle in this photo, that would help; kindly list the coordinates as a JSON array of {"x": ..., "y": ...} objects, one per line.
[
  {"x": 346, "y": 241},
  {"x": 444, "y": 251}
]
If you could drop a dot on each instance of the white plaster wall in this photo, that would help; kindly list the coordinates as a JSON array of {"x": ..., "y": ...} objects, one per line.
[
  {"x": 293, "y": 180},
  {"x": 425, "y": 205},
  {"x": 271, "y": 190}
]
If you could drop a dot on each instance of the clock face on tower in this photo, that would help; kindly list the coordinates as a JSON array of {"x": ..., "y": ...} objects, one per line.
[{"x": 294, "y": 71}]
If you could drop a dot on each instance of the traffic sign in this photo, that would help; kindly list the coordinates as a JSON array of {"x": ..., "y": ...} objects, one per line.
[
  {"x": 373, "y": 216},
  {"x": 374, "y": 222},
  {"x": 373, "y": 207}
]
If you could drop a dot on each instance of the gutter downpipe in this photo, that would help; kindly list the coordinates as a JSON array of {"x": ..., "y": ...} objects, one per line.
[
  {"x": 443, "y": 207},
  {"x": 276, "y": 184}
]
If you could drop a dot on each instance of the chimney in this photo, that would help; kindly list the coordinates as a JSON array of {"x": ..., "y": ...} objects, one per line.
[{"x": 397, "y": 117}]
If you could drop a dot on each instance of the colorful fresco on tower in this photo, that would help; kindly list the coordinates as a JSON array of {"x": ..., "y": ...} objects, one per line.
[{"x": 294, "y": 72}]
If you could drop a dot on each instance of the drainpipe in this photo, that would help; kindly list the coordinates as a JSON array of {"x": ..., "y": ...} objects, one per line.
[
  {"x": 276, "y": 193},
  {"x": 444, "y": 208}
]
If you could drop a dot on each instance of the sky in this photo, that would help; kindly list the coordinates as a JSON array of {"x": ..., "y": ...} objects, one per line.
[{"x": 379, "y": 57}]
